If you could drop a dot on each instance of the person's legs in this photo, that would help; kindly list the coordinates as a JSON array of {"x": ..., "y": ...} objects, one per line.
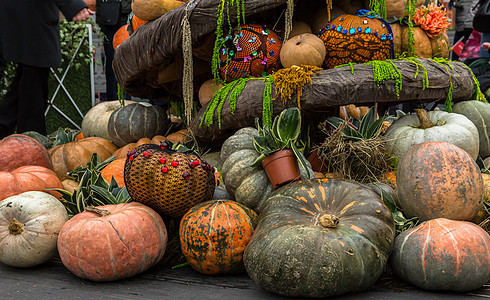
[
  {"x": 8, "y": 105},
  {"x": 32, "y": 99}
]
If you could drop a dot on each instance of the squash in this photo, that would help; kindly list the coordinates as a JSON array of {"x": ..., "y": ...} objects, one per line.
[
  {"x": 440, "y": 45},
  {"x": 20, "y": 150},
  {"x": 120, "y": 36},
  {"x": 114, "y": 169},
  {"x": 70, "y": 185},
  {"x": 303, "y": 49},
  {"x": 477, "y": 112},
  {"x": 42, "y": 139},
  {"x": 28, "y": 178},
  {"x": 134, "y": 121},
  {"x": 444, "y": 255},
  {"x": 320, "y": 238},
  {"x": 214, "y": 235},
  {"x": 136, "y": 22},
  {"x": 68, "y": 156},
  {"x": 29, "y": 227},
  {"x": 396, "y": 8},
  {"x": 169, "y": 182},
  {"x": 148, "y": 10},
  {"x": 352, "y": 111},
  {"x": 424, "y": 45},
  {"x": 437, "y": 126},
  {"x": 439, "y": 180},
  {"x": 113, "y": 248},
  {"x": 123, "y": 151},
  {"x": 249, "y": 186},
  {"x": 97, "y": 118}
]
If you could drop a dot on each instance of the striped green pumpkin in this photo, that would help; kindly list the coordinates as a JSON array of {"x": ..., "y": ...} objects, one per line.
[
  {"x": 479, "y": 113},
  {"x": 135, "y": 121}
]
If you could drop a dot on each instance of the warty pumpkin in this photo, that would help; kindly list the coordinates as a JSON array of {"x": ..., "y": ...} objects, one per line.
[
  {"x": 437, "y": 126},
  {"x": 28, "y": 178},
  {"x": 439, "y": 180},
  {"x": 29, "y": 227},
  {"x": 97, "y": 118},
  {"x": 20, "y": 150},
  {"x": 68, "y": 156},
  {"x": 214, "y": 235},
  {"x": 319, "y": 238},
  {"x": 477, "y": 112},
  {"x": 113, "y": 247},
  {"x": 442, "y": 254},
  {"x": 168, "y": 181},
  {"x": 134, "y": 121},
  {"x": 303, "y": 49}
]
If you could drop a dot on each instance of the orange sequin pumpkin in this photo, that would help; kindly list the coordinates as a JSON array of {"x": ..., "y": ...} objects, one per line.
[
  {"x": 356, "y": 38},
  {"x": 250, "y": 50}
]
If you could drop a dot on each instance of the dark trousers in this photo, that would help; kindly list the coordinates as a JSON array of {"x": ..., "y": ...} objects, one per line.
[{"x": 25, "y": 103}]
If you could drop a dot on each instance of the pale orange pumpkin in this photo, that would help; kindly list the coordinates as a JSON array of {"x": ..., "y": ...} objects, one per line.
[
  {"x": 68, "y": 156},
  {"x": 28, "y": 178},
  {"x": 19, "y": 150},
  {"x": 151, "y": 9},
  {"x": 303, "y": 49}
]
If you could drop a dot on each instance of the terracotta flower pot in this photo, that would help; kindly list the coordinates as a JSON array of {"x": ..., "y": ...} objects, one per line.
[
  {"x": 316, "y": 162},
  {"x": 281, "y": 168}
]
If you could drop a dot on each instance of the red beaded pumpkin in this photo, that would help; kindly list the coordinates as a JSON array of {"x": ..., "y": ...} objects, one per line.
[
  {"x": 356, "y": 39},
  {"x": 250, "y": 50},
  {"x": 170, "y": 182}
]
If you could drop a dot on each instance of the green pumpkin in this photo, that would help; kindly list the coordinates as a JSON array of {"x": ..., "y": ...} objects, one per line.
[
  {"x": 139, "y": 120},
  {"x": 319, "y": 238},
  {"x": 42, "y": 139},
  {"x": 250, "y": 186},
  {"x": 479, "y": 113}
]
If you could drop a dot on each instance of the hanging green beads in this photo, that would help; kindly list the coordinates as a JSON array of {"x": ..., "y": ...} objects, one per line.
[
  {"x": 378, "y": 7},
  {"x": 385, "y": 69},
  {"x": 410, "y": 8},
  {"x": 267, "y": 101}
]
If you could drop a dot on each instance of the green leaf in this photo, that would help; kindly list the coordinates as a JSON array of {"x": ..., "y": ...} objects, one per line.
[
  {"x": 65, "y": 195},
  {"x": 113, "y": 184},
  {"x": 366, "y": 121},
  {"x": 258, "y": 161},
  {"x": 289, "y": 125},
  {"x": 123, "y": 196},
  {"x": 374, "y": 129},
  {"x": 104, "y": 194},
  {"x": 260, "y": 143},
  {"x": 300, "y": 158}
]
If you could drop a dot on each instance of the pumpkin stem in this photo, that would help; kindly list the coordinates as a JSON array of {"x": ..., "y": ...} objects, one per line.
[
  {"x": 15, "y": 227},
  {"x": 329, "y": 221},
  {"x": 100, "y": 212},
  {"x": 424, "y": 119}
]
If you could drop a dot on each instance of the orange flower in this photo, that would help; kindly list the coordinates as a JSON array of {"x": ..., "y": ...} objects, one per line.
[{"x": 432, "y": 19}]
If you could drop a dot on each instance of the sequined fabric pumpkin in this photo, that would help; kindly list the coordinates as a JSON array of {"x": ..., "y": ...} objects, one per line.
[
  {"x": 357, "y": 38},
  {"x": 170, "y": 182},
  {"x": 249, "y": 50}
]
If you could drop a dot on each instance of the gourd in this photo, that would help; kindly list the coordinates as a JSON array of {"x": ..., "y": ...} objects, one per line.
[
  {"x": 120, "y": 36},
  {"x": 439, "y": 180},
  {"x": 20, "y": 150},
  {"x": 442, "y": 254},
  {"x": 320, "y": 238},
  {"x": 170, "y": 182},
  {"x": 477, "y": 112},
  {"x": 28, "y": 178},
  {"x": 214, "y": 235},
  {"x": 29, "y": 227},
  {"x": 250, "y": 186},
  {"x": 134, "y": 121},
  {"x": 148, "y": 10},
  {"x": 303, "y": 49},
  {"x": 118, "y": 241},
  {"x": 207, "y": 90},
  {"x": 438, "y": 126},
  {"x": 68, "y": 156},
  {"x": 97, "y": 118},
  {"x": 425, "y": 46}
]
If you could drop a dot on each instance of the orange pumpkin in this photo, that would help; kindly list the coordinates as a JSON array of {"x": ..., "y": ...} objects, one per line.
[
  {"x": 353, "y": 111},
  {"x": 439, "y": 180},
  {"x": 68, "y": 156},
  {"x": 79, "y": 136},
  {"x": 19, "y": 150},
  {"x": 214, "y": 235},
  {"x": 28, "y": 178},
  {"x": 114, "y": 169},
  {"x": 120, "y": 36},
  {"x": 137, "y": 22},
  {"x": 113, "y": 248},
  {"x": 124, "y": 150},
  {"x": 207, "y": 90},
  {"x": 303, "y": 49}
]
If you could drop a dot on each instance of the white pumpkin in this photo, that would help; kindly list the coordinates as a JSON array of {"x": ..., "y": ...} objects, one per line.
[
  {"x": 29, "y": 227},
  {"x": 448, "y": 127}
]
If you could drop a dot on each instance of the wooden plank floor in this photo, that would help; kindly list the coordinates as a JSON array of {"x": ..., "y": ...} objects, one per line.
[{"x": 53, "y": 281}]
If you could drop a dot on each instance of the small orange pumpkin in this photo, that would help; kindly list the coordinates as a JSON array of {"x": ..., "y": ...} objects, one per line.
[
  {"x": 137, "y": 22},
  {"x": 114, "y": 169},
  {"x": 28, "y": 178},
  {"x": 214, "y": 235},
  {"x": 120, "y": 36},
  {"x": 123, "y": 151}
]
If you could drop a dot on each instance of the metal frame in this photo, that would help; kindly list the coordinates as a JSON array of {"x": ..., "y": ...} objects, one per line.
[{"x": 51, "y": 103}]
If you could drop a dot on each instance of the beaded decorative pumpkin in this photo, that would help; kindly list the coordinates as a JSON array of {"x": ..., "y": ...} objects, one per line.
[
  {"x": 357, "y": 38},
  {"x": 250, "y": 50},
  {"x": 170, "y": 182}
]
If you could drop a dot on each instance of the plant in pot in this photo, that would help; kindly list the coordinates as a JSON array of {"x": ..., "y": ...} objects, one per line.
[{"x": 280, "y": 148}]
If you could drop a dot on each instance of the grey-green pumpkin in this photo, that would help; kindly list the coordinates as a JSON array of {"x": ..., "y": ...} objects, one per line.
[
  {"x": 250, "y": 186},
  {"x": 447, "y": 127},
  {"x": 479, "y": 113},
  {"x": 135, "y": 121}
]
